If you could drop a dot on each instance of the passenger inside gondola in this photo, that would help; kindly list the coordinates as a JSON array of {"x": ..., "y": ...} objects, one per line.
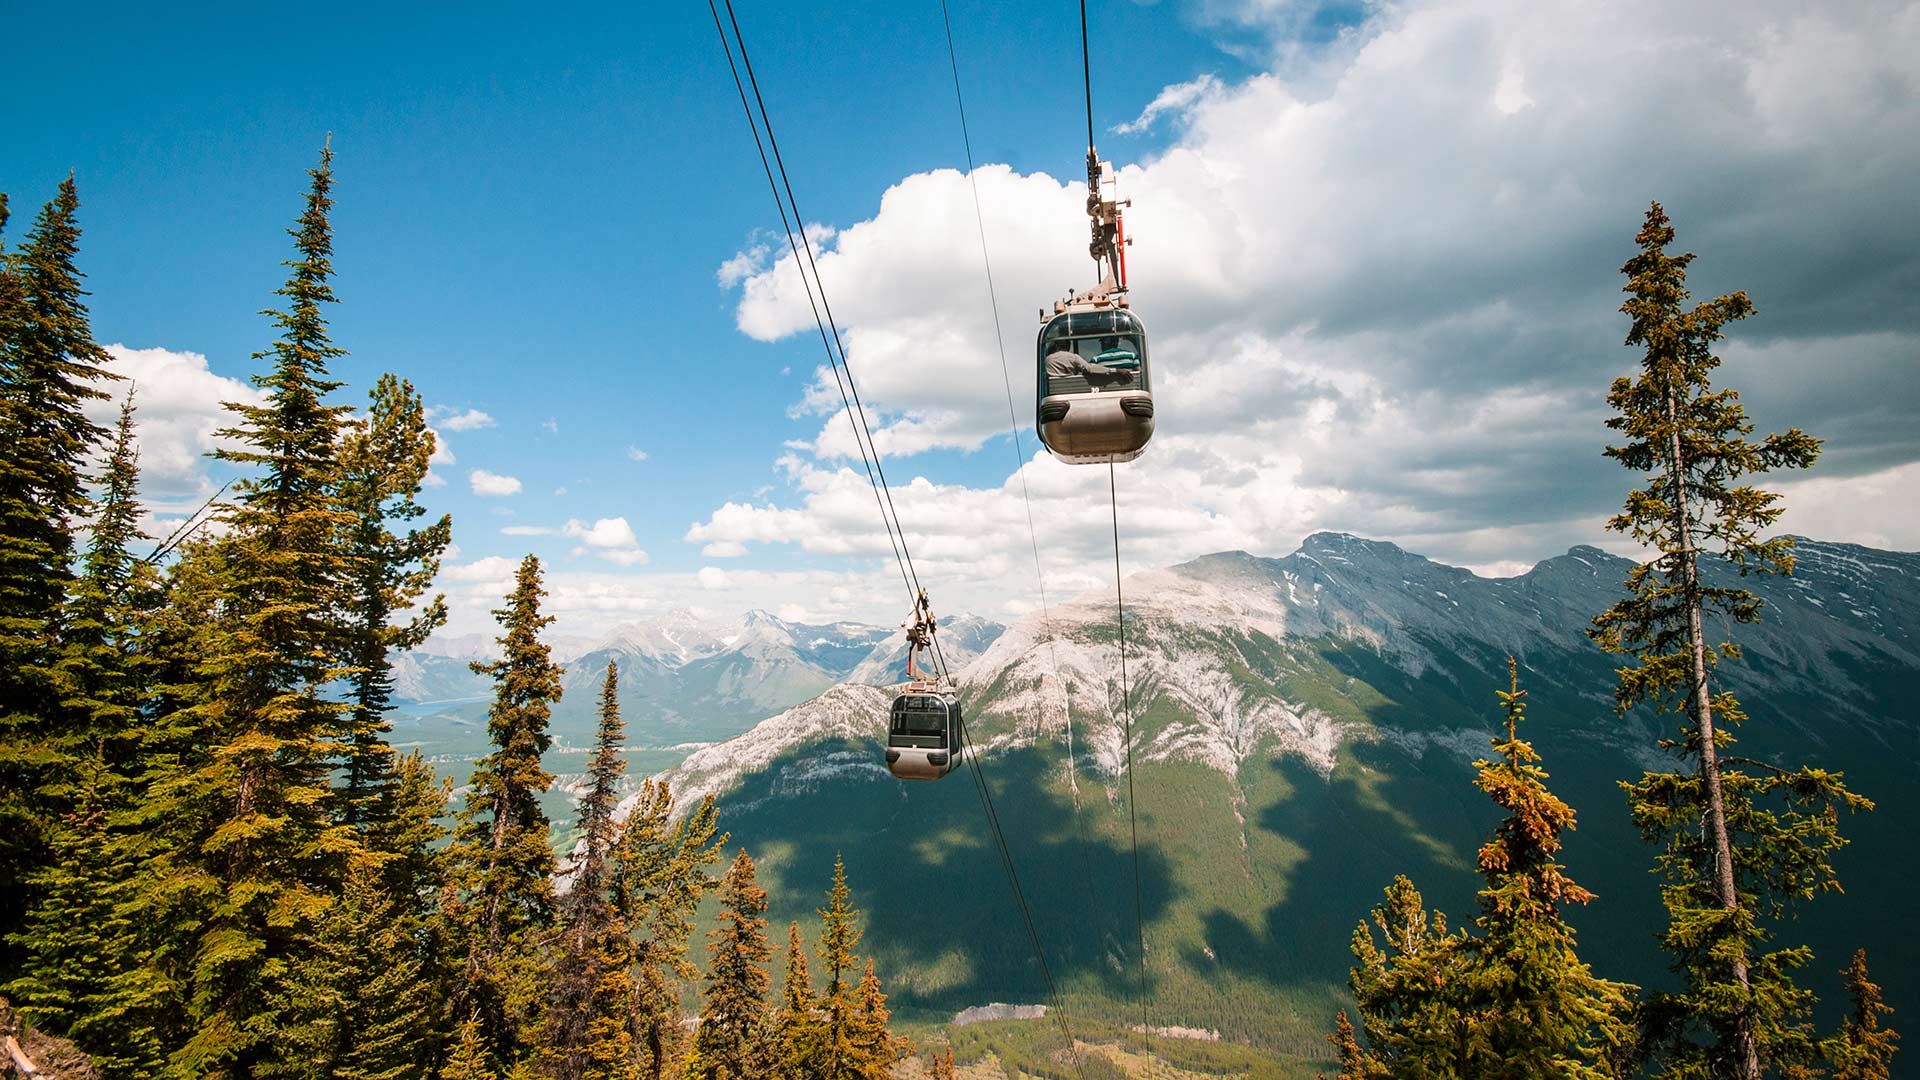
[{"x": 1065, "y": 362}]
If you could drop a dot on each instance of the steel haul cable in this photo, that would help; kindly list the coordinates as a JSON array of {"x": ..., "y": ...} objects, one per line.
[
  {"x": 1120, "y": 606},
  {"x": 1020, "y": 460},
  {"x": 876, "y": 475},
  {"x": 1126, "y": 708}
]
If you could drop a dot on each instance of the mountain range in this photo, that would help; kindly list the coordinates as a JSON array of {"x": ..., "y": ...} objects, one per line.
[
  {"x": 684, "y": 677},
  {"x": 1300, "y": 730}
]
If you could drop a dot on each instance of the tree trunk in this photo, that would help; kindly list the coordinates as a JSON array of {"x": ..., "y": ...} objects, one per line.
[{"x": 1746, "y": 1048}]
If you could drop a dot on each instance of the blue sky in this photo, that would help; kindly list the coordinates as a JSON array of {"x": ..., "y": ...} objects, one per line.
[{"x": 532, "y": 211}]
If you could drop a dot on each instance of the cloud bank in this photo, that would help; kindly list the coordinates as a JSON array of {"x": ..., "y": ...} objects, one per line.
[{"x": 1383, "y": 295}]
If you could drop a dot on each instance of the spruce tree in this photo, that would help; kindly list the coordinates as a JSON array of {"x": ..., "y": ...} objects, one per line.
[
  {"x": 1863, "y": 1050},
  {"x": 383, "y": 461},
  {"x": 1740, "y": 840},
  {"x": 840, "y": 934},
  {"x": 1409, "y": 993},
  {"x": 503, "y": 859},
  {"x": 1354, "y": 1062},
  {"x": 941, "y": 1068},
  {"x": 80, "y": 960},
  {"x": 732, "y": 1036},
  {"x": 404, "y": 831},
  {"x": 469, "y": 1059},
  {"x": 264, "y": 853},
  {"x": 99, "y": 673},
  {"x": 360, "y": 1006},
  {"x": 1540, "y": 1011},
  {"x": 797, "y": 1028},
  {"x": 588, "y": 1029},
  {"x": 873, "y": 1039},
  {"x": 660, "y": 877},
  {"x": 49, "y": 365}
]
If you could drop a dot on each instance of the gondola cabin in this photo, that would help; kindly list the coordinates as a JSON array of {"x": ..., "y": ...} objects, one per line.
[
  {"x": 923, "y": 735},
  {"x": 1095, "y": 388}
]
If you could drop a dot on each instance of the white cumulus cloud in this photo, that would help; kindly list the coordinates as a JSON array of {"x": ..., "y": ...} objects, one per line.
[
  {"x": 492, "y": 484},
  {"x": 178, "y": 405},
  {"x": 470, "y": 420},
  {"x": 1383, "y": 294}
]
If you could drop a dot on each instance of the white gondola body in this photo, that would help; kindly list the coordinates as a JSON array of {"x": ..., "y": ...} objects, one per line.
[
  {"x": 924, "y": 740},
  {"x": 1079, "y": 420}
]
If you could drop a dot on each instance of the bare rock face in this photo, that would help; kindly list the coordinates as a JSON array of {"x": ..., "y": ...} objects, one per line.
[{"x": 26, "y": 1053}]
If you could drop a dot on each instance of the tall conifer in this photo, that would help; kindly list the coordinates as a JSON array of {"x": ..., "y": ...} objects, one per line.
[
  {"x": 877, "y": 1048},
  {"x": 732, "y": 1036},
  {"x": 797, "y": 1029},
  {"x": 660, "y": 877},
  {"x": 589, "y": 1036},
  {"x": 1540, "y": 1010},
  {"x": 1409, "y": 993},
  {"x": 383, "y": 461},
  {"x": 49, "y": 365},
  {"x": 839, "y": 935},
  {"x": 1740, "y": 840},
  {"x": 1863, "y": 1050},
  {"x": 503, "y": 858},
  {"x": 264, "y": 853},
  {"x": 361, "y": 1005}
]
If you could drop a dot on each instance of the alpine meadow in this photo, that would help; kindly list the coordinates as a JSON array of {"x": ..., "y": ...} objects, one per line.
[{"x": 1448, "y": 610}]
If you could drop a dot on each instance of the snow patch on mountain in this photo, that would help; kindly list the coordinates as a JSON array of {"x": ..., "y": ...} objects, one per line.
[{"x": 846, "y": 711}]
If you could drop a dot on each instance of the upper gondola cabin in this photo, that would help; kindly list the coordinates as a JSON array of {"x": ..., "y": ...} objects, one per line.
[{"x": 1095, "y": 387}]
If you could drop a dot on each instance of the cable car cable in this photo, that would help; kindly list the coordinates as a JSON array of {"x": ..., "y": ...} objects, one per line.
[
  {"x": 833, "y": 361},
  {"x": 1126, "y": 709},
  {"x": 1020, "y": 459},
  {"x": 858, "y": 408}
]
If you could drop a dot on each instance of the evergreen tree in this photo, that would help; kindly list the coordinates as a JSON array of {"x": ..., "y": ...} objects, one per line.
[
  {"x": 49, "y": 364},
  {"x": 732, "y": 1036},
  {"x": 80, "y": 972},
  {"x": 360, "y": 1006},
  {"x": 404, "y": 831},
  {"x": 1740, "y": 840},
  {"x": 1863, "y": 1050},
  {"x": 588, "y": 1029},
  {"x": 83, "y": 976},
  {"x": 839, "y": 1055},
  {"x": 660, "y": 877},
  {"x": 502, "y": 855},
  {"x": 383, "y": 461},
  {"x": 1354, "y": 1062},
  {"x": 797, "y": 1028},
  {"x": 1540, "y": 1011},
  {"x": 469, "y": 1059},
  {"x": 941, "y": 1068},
  {"x": 874, "y": 1042},
  {"x": 264, "y": 854},
  {"x": 1409, "y": 993}
]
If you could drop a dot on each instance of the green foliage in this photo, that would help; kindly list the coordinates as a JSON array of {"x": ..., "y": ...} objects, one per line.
[
  {"x": 659, "y": 878},
  {"x": 1863, "y": 1050},
  {"x": 1513, "y": 1001},
  {"x": 796, "y": 1023},
  {"x": 589, "y": 1031},
  {"x": 732, "y": 1036},
  {"x": 49, "y": 364},
  {"x": 502, "y": 862},
  {"x": 383, "y": 461},
  {"x": 1739, "y": 840},
  {"x": 360, "y": 1005},
  {"x": 258, "y": 847}
]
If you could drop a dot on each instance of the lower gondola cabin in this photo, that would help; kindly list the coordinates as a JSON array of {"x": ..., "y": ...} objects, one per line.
[{"x": 923, "y": 734}]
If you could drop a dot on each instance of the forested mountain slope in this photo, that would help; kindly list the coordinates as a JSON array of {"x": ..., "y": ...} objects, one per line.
[{"x": 1304, "y": 729}]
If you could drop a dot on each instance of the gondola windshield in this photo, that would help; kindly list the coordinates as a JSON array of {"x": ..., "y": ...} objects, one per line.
[{"x": 1112, "y": 341}]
